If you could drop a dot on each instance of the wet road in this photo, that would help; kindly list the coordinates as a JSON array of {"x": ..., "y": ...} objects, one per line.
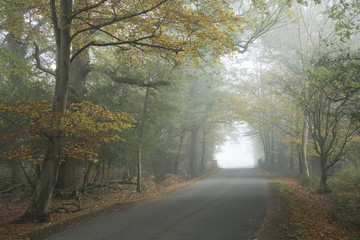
[{"x": 229, "y": 205}]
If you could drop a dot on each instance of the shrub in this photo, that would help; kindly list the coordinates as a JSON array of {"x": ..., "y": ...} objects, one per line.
[{"x": 347, "y": 179}]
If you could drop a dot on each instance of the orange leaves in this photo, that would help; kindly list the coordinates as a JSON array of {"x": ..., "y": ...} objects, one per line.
[{"x": 85, "y": 127}]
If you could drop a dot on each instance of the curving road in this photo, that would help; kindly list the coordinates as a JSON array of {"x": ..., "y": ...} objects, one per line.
[{"x": 229, "y": 205}]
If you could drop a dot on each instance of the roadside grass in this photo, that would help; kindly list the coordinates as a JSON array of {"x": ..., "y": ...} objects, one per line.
[
  {"x": 93, "y": 204},
  {"x": 320, "y": 216}
]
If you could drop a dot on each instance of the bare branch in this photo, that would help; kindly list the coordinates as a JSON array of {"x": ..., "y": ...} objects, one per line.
[
  {"x": 38, "y": 62},
  {"x": 87, "y": 8}
]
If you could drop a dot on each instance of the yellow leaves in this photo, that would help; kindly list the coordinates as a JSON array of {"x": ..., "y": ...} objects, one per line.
[
  {"x": 85, "y": 126},
  {"x": 291, "y": 140},
  {"x": 161, "y": 27}
]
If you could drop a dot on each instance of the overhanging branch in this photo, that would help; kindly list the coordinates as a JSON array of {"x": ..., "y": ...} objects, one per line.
[
  {"x": 136, "y": 42},
  {"x": 140, "y": 83},
  {"x": 118, "y": 19}
]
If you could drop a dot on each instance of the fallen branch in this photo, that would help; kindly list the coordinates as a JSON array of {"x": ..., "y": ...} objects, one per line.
[{"x": 67, "y": 210}]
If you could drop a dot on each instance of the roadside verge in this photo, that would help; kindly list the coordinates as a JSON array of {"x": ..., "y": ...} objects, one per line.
[
  {"x": 297, "y": 212},
  {"x": 97, "y": 203}
]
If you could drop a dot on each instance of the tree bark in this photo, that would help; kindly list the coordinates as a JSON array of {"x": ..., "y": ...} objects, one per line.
[
  {"x": 301, "y": 168},
  {"x": 67, "y": 174},
  {"x": 203, "y": 152},
  {"x": 178, "y": 158},
  {"x": 304, "y": 140},
  {"x": 193, "y": 151},
  {"x": 323, "y": 177},
  {"x": 139, "y": 170},
  {"x": 291, "y": 159},
  {"x": 17, "y": 176},
  {"x": 79, "y": 70},
  {"x": 40, "y": 200},
  {"x": 96, "y": 176},
  {"x": 108, "y": 174},
  {"x": 141, "y": 133},
  {"x": 86, "y": 176},
  {"x": 272, "y": 149}
]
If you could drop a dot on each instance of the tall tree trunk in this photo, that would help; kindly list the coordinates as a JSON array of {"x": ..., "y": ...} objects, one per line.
[
  {"x": 203, "y": 151},
  {"x": 139, "y": 170},
  {"x": 79, "y": 70},
  {"x": 263, "y": 141},
  {"x": 141, "y": 132},
  {"x": 193, "y": 151},
  {"x": 291, "y": 159},
  {"x": 301, "y": 168},
  {"x": 96, "y": 176},
  {"x": 272, "y": 149},
  {"x": 67, "y": 174},
  {"x": 323, "y": 177},
  {"x": 108, "y": 175},
  {"x": 103, "y": 173},
  {"x": 266, "y": 141},
  {"x": 86, "y": 176},
  {"x": 17, "y": 175},
  {"x": 304, "y": 140},
  {"x": 40, "y": 200},
  {"x": 178, "y": 158}
]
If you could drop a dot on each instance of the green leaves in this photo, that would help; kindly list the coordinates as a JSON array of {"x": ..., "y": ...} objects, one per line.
[{"x": 10, "y": 65}]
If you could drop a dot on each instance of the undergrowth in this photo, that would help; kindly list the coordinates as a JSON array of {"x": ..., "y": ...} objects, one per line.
[
  {"x": 345, "y": 195},
  {"x": 320, "y": 216}
]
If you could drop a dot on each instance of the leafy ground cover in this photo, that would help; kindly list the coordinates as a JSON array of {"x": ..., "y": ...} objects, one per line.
[
  {"x": 319, "y": 216},
  {"x": 69, "y": 211}
]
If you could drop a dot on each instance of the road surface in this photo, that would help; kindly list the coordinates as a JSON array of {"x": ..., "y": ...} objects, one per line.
[{"x": 229, "y": 205}]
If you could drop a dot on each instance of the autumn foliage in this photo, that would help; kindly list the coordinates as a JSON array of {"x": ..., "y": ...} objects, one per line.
[{"x": 85, "y": 126}]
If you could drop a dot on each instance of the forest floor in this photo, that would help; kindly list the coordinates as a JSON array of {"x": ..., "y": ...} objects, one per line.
[
  {"x": 293, "y": 211},
  {"x": 298, "y": 212}
]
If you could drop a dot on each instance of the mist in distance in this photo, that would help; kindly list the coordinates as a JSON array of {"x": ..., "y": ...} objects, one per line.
[{"x": 237, "y": 154}]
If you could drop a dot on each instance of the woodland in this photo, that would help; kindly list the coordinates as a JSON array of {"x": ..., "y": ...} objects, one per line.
[{"x": 97, "y": 91}]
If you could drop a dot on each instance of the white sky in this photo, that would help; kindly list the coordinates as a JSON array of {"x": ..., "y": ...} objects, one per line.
[{"x": 236, "y": 154}]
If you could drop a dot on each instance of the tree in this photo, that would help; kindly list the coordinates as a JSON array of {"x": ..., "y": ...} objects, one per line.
[
  {"x": 334, "y": 96},
  {"x": 167, "y": 27}
]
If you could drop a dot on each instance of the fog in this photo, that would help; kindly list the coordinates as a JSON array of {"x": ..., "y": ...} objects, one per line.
[{"x": 237, "y": 153}]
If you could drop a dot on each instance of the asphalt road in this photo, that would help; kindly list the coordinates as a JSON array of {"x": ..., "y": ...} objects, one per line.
[{"x": 229, "y": 205}]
